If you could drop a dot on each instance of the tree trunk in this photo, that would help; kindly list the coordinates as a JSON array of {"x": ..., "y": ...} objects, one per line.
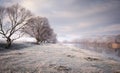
[
  {"x": 9, "y": 42},
  {"x": 37, "y": 41}
]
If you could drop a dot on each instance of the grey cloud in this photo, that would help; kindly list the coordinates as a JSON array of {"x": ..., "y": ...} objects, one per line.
[{"x": 76, "y": 17}]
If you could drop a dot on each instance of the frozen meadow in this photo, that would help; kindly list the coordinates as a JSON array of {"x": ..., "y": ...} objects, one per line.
[{"x": 55, "y": 58}]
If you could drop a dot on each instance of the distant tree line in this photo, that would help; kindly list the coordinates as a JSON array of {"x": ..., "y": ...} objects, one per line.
[
  {"x": 100, "y": 41},
  {"x": 16, "y": 19}
]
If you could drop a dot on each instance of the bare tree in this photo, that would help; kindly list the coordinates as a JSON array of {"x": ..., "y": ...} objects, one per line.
[
  {"x": 39, "y": 28},
  {"x": 12, "y": 19}
]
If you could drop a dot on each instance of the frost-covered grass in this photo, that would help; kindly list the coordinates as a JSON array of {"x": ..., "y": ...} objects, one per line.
[{"x": 55, "y": 58}]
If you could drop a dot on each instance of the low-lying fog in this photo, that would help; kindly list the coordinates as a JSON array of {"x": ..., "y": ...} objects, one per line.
[{"x": 105, "y": 51}]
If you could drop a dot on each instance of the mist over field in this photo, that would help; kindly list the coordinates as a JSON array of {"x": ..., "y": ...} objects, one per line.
[{"x": 51, "y": 36}]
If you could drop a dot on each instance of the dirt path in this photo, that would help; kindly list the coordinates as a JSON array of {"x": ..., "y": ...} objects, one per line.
[{"x": 56, "y": 58}]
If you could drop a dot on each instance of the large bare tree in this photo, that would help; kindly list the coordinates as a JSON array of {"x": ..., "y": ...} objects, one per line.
[
  {"x": 12, "y": 19},
  {"x": 39, "y": 28}
]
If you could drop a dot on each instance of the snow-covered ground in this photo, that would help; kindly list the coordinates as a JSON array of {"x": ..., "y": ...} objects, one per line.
[{"x": 55, "y": 58}]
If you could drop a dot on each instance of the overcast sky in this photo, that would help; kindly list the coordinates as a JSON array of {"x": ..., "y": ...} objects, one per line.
[{"x": 75, "y": 18}]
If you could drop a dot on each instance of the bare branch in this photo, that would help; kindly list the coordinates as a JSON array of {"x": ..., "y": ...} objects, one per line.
[
  {"x": 1, "y": 29},
  {"x": 20, "y": 35}
]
